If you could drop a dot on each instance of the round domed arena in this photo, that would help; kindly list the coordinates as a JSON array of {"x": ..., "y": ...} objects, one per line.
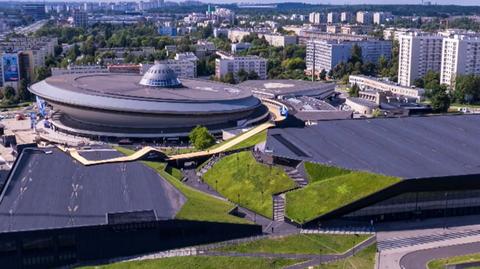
[{"x": 157, "y": 104}]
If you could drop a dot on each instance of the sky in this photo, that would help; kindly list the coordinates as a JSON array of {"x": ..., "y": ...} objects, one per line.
[{"x": 355, "y": 2}]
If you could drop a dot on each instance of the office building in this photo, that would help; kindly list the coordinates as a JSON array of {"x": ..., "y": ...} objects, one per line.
[
  {"x": 460, "y": 55},
  {"x": 418, "y": 54}
]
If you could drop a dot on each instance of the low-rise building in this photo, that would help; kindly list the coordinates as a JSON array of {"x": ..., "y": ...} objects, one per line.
[
  {"x": 371, "y": 83},
  {"x": 241, "y": 46}
]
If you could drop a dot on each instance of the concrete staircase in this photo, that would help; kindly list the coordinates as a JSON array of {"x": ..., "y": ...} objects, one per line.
[
  {"x": 279, "y": 207},
  {"x": 296, "y": 176}
]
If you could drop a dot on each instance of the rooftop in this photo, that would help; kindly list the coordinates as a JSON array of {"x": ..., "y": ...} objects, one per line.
[
  {"x": 54, "y": 191},
  {"x": 127, "y": 86},
  {"x": 276, "y": 87},
  {"x": 413, "y": 147}
]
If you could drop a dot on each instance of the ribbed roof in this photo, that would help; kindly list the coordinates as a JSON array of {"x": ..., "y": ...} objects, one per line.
[{"x": 160, "y": 75}]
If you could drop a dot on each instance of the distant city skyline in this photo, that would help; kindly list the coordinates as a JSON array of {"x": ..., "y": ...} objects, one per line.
[{"x": 344, "y": 2}]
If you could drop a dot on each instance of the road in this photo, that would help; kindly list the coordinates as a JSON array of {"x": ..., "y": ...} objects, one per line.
[{"x": 419, "y": 259}]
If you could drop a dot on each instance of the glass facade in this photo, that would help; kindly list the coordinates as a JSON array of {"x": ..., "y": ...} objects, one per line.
[{"x": 420, "y": 205}]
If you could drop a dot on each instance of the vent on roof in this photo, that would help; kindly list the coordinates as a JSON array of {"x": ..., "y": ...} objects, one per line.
[{"x": 131, "y": 217}]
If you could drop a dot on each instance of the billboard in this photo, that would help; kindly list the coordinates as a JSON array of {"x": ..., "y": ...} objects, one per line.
[{"x": 11, "y": 72}]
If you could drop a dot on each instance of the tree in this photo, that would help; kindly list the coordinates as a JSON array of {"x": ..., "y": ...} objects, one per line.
[
  {"x": 228, "y": 78},
  {"x": 294, "y": 63},
  {"x": 42, "y": 73},
  {"x": 431, "y": 80},
  {"x": 323, "y": 74},
  {"x": 354, "y": 90},
  {"x": 467, "y": 89},
  {"x": 8, "y": 92},
  {"x": 356, "y": 54},
  {"x": 252, "y": 75},
  {"x": 440, "y": 100},
  {"x": 242, "y": 75},
  {"x": 200, "y": 138},
  {"x": 23, "y": 92}
]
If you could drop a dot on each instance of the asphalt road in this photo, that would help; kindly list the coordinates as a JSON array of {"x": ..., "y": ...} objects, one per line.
[{"x": 419, "y": 259}]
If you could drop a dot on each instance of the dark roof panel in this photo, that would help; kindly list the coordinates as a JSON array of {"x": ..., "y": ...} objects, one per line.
[
  {"x": 413, "y": 147},
  {"x": 55, "y": 191}
]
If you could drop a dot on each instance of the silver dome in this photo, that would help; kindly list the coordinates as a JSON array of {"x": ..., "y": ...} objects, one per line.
[{"x": 160, "y": 75}]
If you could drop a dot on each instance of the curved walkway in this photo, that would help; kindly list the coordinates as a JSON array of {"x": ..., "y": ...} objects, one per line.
[
  {"x": 273, "y": 107},
  {"x": 419, "y": 259}
]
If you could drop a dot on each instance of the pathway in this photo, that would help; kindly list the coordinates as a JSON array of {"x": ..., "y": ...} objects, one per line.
[{"x": 272, "y": 105}]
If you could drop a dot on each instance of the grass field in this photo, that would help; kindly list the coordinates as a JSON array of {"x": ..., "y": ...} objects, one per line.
[
  {"x": 328, "y": 194},
  {"x": 318, "y": 172},
  {"x": 199, "y": 206},
  {"x": 241, "y": 179},
  {"x": 364, "y": 259},
  {"x": 440, "y": 263},
  {"x": 251, "y": 141},
  {"x": 202, "y": 262},
  {"x": 300, "y": 244}
]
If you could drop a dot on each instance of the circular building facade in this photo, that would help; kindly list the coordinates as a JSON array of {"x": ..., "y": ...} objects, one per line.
[{"x": 153, "y": 105}]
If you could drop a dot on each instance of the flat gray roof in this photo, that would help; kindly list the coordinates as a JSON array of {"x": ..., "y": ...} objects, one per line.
[
  {"x": 127, "y": 86},
  {"x": 289, "y": 87},
  {"x": 54, "y": 191},
  {"x": 411, "y": 147}
]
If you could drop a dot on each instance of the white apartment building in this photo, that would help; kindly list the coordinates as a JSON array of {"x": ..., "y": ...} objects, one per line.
[
  {"x": 279, "y": 40},
  {"x": 347, "y": 17},
  {"x": 233, "y": 64},
  {"x": 371, "y": 83},
  {"x": 182, "y": 68},
  {"x": 364, "y": 17},
  {"x": 317, "y": 18},
  {"x": 460, "y": 55},
  {"x": 79, "y": 69},
  {"x": 381, "y": 17},
  {"x": 333, "y": 17},
  {"x": 326, "y": 54},
  {"x": 418, "y": 54}
]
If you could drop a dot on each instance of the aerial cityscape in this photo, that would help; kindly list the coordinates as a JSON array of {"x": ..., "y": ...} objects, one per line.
[{"x": 244, "y": 135}]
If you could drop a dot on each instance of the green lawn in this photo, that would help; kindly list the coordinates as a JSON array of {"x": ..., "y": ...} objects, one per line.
[
  {"x": 364, "y": 259},
  {"x": 202, "y": 262},
  {"x": 241, "y": 179},
  {"x": 300, "y": 244},
  {"x": 441, "y": 263},
  {"x": 199, "y": 206},
  {"x": 319, "y": 172},
  {"x": 251, "y": 141},
  {"x": 328, "y": 194}
]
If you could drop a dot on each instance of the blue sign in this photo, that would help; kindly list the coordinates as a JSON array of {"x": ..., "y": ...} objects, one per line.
[
  {"x": 41, "y": 106},
  {"x": 10, "y": 67}
]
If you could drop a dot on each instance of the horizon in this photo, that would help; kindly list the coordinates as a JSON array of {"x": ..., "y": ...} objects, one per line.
[{"x": 312, "y": 2}]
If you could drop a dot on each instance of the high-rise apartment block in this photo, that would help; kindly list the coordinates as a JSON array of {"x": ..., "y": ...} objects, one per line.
[
  {"x": 418, "y": 54},
  {"x": 364, "y": 17},
  {"x": 460, "y": 55},
  {"x": 333, "y": 17},
  {"x": 347, "y": 17}
]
